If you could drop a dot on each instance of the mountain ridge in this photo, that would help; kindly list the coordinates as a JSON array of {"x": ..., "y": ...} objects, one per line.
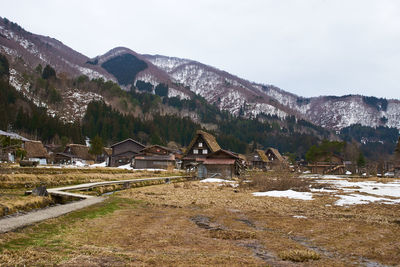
[{"x": 185, "y": 77}]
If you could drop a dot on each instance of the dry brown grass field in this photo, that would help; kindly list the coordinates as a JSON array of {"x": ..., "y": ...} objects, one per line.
[
  {"x": 14, "y": 181},
  {"x": 207, "y": 224}
]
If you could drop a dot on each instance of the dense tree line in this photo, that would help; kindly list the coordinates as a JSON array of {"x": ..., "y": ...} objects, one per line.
[
  {"x": 375, "y": 143},
  {"x": 20, "y": 114},
  {"x": 125, "y": 67},
  {"x": 112, "y": 126}
]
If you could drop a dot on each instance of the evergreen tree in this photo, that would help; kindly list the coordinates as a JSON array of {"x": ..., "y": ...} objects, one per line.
[
  {"x": 48, "y": 72},
  {"x": 4, "y": 66},
  {"x": 96, "y": 146},
  {"x": 161, "y": 89},
  {"x": 361, "y": 160}
]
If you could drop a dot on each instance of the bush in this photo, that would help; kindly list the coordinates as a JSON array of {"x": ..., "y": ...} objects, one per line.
[{"x": 299, "y": 255}]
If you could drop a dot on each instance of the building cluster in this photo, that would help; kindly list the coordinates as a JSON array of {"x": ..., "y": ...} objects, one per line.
[{"x": 203, "y": 156}]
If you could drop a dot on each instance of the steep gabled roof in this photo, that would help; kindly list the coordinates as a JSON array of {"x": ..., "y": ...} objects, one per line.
[
  {"x": 35, "y": 149},
  {"x": 276, "y": 153},
  {"x": 228, "y": 153},
  {"x": 261, "y": 155},
  {"x": 13, "y": 136},
  {"x": 208, "y": 138},
  {"x": 129, "y": 139},
  {"x": 80, "y": 151}
]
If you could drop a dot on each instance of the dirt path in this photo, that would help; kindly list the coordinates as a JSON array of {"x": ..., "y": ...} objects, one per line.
[
  {"x": 15, "y": 222},
  {"x": 12, "y": 223}
]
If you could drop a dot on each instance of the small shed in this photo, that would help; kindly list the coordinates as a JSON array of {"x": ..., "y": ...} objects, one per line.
[
  {"x": 223, "y": 163},
  {"x": 155, "y": 157},
  {"x": 123, "y": 152},
  {"x": 328, "y": 164},
  {"x": 35, "y": 151}
]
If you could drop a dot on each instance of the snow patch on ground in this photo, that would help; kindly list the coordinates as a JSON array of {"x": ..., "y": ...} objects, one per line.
[
  {"x": 98, "y": 165},
  {"x": 360, "y": 192},
  {"x": 125, "y": 167},
  {"x": 287, "y": 193},
  {"x": 216, "y": 180},
  {"x": 355, "y": 199}
]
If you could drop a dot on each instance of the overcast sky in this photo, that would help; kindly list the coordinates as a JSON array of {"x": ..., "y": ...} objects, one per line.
[{"x": 307, "y": 47}]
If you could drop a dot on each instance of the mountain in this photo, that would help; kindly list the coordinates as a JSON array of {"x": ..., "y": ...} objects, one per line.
[
  {"x": 233, "y": 94},
  {"x": 139, "y": 90},
  {"x": 185, "y": 78}
]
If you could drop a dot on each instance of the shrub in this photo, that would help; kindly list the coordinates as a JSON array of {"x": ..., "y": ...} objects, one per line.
[
  {"x": 299, "y": 255},
  {"x": 277, "y": 180}
]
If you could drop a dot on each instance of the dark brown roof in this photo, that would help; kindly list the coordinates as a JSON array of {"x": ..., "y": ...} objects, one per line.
[
  {"x": 35, "y": 149},
  {"x": 80, "y": 151},
  {"x": 162, "y": 147},
  {"x": 276, "y": 152},
  {"x": 208, "y": 138},
  {"x": 129, "y": 139}
]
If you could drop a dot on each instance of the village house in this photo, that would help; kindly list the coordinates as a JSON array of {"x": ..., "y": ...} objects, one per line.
[
  {"x": 74, "y": 153},
  {"x": 35, "y": 151},
  {"x": 275, "y": 159},
  {"x": 222, "y": 163},
  {"x": 199, "y": 148},
  {"x": 332, "y": 164},
  {"x": 154, "y": 157},
  {"x": 12, "y": 142},
  {"x": 123, "y": 152},
  {"x": 258, "y": 160}
]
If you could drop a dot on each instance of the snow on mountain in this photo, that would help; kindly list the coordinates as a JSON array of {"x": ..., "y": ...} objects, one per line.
[
  {"x": 218, "y": 87},
  {"x": 185, "y": 77},
  {"x": 234, "y": 94},
  {"x": 74, "y": 103}
]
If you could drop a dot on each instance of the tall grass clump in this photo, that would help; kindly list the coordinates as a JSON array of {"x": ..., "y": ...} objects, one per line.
[{"x": 279, "y": 180}]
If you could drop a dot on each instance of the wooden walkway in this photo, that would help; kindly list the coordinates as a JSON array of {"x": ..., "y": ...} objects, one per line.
[{"x": 14, "y": 222}]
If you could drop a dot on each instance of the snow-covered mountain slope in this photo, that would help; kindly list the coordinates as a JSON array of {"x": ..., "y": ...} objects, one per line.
[
  {"x": 186, "y": 77},
  {"x": 35, "y": 49},
  {"x": 228, "y": 92},
  {"x": 234, "y": 94},
  {"x": 339, "y": 112}
]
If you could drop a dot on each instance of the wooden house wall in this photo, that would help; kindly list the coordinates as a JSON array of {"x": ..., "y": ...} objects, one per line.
[
  {"x": 226, "y": 171},
  {"x": 153, "y": 164},
  {"x": 126, "y": 146}
]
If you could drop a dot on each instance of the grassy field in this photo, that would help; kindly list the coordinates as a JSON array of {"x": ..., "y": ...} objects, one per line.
[
  {"x": 197, "y": 224},
  {"x": 14, "y": 181}
]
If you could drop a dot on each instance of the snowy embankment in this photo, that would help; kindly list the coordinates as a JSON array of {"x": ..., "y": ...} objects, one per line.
[{"x": 346, "y": 191}]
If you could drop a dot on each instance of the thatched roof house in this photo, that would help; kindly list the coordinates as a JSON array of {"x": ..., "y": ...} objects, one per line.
[
  {"x": 274, "y": 155},
  {"x": 73, "y": 153},
  {"x": 259, "y": 160},
  {"x": 35, "y": 151},
  {"x": 201, "y": 145}
]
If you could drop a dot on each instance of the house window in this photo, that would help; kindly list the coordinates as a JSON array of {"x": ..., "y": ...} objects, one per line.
[
  {"x": 200, "y": 144},
  {"x": 205, "y": 151},
  {"x": 195, "y": 151}
]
